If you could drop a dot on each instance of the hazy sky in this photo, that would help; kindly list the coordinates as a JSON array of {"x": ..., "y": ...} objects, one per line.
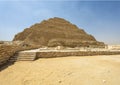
[{"x": 101, "y": 19}]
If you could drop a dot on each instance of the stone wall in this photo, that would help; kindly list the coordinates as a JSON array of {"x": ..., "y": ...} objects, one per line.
[
  {"x": 6, "y": 51},
  {"x": 79, "y": 53},
  {"x": 114, "y": 47}
]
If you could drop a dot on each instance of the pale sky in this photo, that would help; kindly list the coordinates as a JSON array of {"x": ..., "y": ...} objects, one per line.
[{"x": 99, "y": 18}]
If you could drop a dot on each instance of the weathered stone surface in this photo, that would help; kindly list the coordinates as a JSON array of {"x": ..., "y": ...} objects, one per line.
[
  {"x": 55, "y": 32},
  {"x": 6, "y": 51}
]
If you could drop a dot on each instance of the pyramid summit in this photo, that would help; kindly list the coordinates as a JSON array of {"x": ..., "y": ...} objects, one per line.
[{"x": 57, "y": 32}]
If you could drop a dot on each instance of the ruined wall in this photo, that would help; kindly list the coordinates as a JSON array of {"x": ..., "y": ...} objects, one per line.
[
  {"x": 79, "y": 53},
  {"x": 114, "y": 47},
  {"x": 6, "y": 51}
]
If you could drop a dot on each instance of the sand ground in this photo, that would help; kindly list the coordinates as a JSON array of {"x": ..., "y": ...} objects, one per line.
[{"x": 87, "y": 70}]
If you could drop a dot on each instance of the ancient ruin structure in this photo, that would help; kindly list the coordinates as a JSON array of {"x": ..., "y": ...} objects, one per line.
[{"x": 57, "y": 32}]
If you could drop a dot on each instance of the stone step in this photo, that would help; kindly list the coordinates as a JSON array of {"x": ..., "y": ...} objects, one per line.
[
  {"x": 26, "y": 56},
  {"x": 25, "y": 59},
  {"x": 21, "y": 59},
  {"x": 23, "y": 56},
  {"x": 12, "y": 60},
  {"x": 27, "y": 53}
]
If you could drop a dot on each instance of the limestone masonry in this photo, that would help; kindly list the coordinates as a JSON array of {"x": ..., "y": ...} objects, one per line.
[{"x": 57, "y": 32}]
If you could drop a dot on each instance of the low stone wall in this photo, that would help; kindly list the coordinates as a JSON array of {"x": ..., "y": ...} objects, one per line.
[
  {"x": 79, "y": 53},
  {"x": 7, "y": 52}
]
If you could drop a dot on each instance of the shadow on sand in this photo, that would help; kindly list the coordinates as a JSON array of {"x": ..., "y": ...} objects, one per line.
[{"x": 6, "y": 65}]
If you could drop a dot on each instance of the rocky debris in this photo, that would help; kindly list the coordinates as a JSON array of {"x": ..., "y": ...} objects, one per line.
[
  {"x": 7, "y": 52},
  {"x": 57, "y": 32}
]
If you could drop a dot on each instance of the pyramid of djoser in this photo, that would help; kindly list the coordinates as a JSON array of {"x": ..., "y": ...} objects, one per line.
[{"x": 57, "y": 32}]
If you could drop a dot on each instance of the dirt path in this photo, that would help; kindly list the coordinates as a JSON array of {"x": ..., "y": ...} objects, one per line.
[{"x": 87, "y": 70}]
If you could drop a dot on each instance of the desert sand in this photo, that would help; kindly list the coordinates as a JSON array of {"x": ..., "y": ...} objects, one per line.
[{"x": 74, "y": 70}]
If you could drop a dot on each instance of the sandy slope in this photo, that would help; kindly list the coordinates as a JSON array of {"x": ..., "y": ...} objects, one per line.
[{"x": 88, "y": 70}]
